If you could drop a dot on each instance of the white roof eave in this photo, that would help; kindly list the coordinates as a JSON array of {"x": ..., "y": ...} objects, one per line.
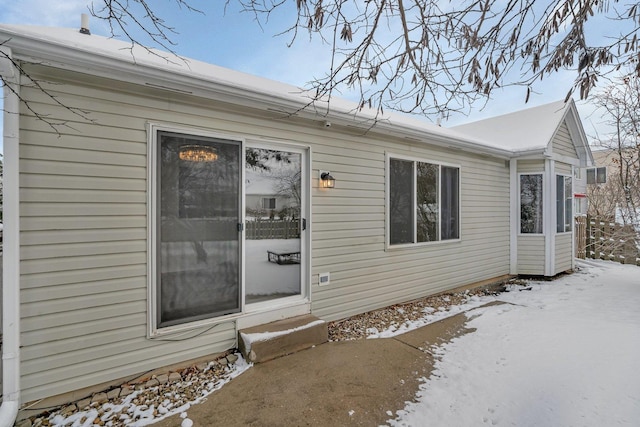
[{"x": 139, "y": 73}]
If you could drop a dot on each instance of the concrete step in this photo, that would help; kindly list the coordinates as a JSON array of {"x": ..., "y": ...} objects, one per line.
[{"x": 266, "y": 342}]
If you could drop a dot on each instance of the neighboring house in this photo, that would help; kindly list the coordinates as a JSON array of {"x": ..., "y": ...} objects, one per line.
[
  {"x": 267, "y": 195},
  {"x": 125, "y": 250},
  {"x": 550, "y": 145},
  {"x": 604, "y": 188}
]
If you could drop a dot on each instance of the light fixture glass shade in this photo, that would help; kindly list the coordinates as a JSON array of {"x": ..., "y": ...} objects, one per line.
[
  {"x": 327, "y": 181},
  {"x": 198, "y": 153}
]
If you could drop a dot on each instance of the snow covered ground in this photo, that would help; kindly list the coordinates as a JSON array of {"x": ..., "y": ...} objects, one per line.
[
  {"x": 264, "y": 277},
  {"x": 558, "y": 353},
  {"x": 565, "y": 353}
]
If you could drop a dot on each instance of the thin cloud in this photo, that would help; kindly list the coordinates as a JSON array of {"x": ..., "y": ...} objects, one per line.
[{"x": 59, "y": 13}]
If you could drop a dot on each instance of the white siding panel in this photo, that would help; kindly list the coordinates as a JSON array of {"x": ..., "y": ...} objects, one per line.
[
  {"x": 531, "y": 255},
  {"x": 40, "y": 338},
  {"x": 80, "y": 222},
  {"x": 530, "y": 166},
  {"x": 564, "y": 253},
  {"x": 94, "y": 367},
  {"x": 562, "y": 143},
  {"x": 84, "y": 230},
  {"x": 89, "y": 289},
  {"x": 55, "y": 169},
  {"x": 83, "y": 274},
  {"x": 562, "y": 168},
  {"x": 363, "y": 277},
  {"x": 66, "y": 263}
]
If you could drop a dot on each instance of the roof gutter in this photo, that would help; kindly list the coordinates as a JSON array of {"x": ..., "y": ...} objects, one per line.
[{"x": 11, "y": 258}]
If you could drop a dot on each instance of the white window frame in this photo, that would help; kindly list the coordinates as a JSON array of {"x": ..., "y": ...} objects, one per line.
[
  {"x": 275, "y": 202},
  {"x": 542, "y": 200},
  {"x": 595, "y": 173},
  {"x": 305, "y": 243},
  {"x": 564, "y": 206},
  {"x": 415, "y": 243}
]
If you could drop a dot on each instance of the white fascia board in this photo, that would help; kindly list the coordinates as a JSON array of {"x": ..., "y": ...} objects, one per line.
[
  {"x": 581, "y": 143},
  {"x": 549, "y": 216},
  {"x": 514, "y": 223},
  {"x": 537, "y": 153}
]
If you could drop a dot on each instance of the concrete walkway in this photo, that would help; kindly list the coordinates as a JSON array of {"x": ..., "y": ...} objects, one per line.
[{"x": 333, "y": 384}]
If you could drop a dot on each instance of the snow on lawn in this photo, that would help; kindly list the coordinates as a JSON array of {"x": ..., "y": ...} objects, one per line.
[
  {"x": 264, "y": 277},
  {"x": 565, "y": 353}
]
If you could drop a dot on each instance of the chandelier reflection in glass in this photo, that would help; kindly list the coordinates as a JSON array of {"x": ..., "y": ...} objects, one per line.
[{"x": 198, "y": 153}]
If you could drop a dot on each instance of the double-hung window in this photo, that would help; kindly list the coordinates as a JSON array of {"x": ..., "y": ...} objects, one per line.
[
  {"x": 564, "y": 201},
  {"x": 268, "y": 203},
  {"x": 597, "y": 175},
  {"x": 423, "y": 201}
]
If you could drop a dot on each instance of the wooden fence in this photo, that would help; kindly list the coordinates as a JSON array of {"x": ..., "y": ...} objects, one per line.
[
  {"x": 602, "y": 239},
  {"x": 260, "y": 229}
]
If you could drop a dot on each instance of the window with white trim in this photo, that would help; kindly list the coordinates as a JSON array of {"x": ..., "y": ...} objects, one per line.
[
  {"x": 564, "y": 202},
  {"x": 531, "y": 203},
  {"x": 268, "y": 203},
  {"x": 597, "y": 175},
  {"x": 424, "y": 202}
]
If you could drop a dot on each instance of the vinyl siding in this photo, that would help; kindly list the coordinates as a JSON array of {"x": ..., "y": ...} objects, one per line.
[
  {"x": 563, "y": 169},
  {"x": 562, "y": 143},
  {"x": 531, "y": 255},
  {"x": 365, "y": 276},
  {"x": 84, "y": 219},
  {"x": 564, "y": 253},
  {"x": 84, "y": 250},
  {"x": 530, "y": 166}
]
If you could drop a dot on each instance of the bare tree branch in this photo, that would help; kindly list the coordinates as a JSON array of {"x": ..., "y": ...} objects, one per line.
[
  {"x": 428, "y": 56},
  {"x": 55, "y": 125},
  {"x": 620, "y": 198}
]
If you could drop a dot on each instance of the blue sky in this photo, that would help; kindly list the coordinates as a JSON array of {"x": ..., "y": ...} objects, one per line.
[{"x": 233, "y": 39}]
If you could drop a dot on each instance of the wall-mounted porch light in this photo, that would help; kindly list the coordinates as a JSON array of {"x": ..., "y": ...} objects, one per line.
[
  {"x": 326, "y": 180},
  {"x": 198, "y": 153}
]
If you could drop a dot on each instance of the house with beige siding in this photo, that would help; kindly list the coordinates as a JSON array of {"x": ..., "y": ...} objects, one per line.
[
  {"x": 127, "y": 180},
  {"x": 545, "y": 174}
]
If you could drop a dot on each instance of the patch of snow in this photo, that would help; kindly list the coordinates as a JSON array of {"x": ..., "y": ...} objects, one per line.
[
  {"x": 249, "y": 339},
  {"x": 133, "y": 415},
  {"x": 564, "y": 353},
  {"x": 431, "y": 316},
  {"x": 264, "y": 277}
]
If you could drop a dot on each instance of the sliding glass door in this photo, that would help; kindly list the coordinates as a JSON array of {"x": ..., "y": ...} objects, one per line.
[
  {"x": 274, "y": 223},
  {"x": 198, "y": 210}
]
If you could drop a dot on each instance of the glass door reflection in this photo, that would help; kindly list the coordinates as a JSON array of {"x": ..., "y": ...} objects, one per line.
[{"x": 273, "y": 224}]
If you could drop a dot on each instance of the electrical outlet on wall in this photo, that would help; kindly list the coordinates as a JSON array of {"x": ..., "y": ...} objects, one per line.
[{"x": 324, "y": 279}]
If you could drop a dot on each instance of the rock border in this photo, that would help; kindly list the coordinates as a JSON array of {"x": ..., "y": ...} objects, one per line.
[{"x": 153, "y": 395}]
